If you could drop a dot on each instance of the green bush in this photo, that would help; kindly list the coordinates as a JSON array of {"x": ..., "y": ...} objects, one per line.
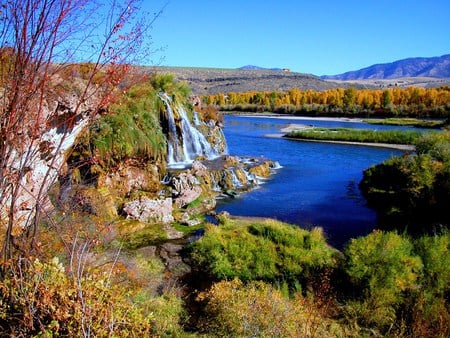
[
  {"x": 383, "y": 267},
  {"x": 429, "y": 304},
  {"x": 413, "y": 189},
  {"x": 436, "y": 145},
  {"x": 267, "y": 250}
]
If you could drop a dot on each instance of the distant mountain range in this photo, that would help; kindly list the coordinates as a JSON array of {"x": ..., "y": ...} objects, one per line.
[
  {"x": 252, "y": 67},
  {"x": 436, "y": 67}
]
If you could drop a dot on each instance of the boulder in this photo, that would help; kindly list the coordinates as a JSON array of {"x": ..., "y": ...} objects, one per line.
[
  {"x": 186, "y": 189},
  {"x": 150, "y": 210}
]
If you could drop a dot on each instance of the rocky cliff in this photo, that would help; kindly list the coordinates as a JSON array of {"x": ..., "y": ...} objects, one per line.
[{"x": 182, "y": 185}]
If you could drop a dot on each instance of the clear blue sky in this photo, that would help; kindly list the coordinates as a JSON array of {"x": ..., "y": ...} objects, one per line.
[{"x": 309, "y": 36}]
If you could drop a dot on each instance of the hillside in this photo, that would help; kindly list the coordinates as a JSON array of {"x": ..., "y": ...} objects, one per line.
[
  {"x": 433, "y": 67},
  {"x": 203, "y": 81},
  {"x": 214, "y": 80}
]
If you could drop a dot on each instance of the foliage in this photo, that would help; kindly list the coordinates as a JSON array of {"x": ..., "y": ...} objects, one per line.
[
  {"x": 429, "y": 306},
  {"x": 416, "y": 102},
  {"x": 414, "y": 122},
  {"x": 268, "y": 250},
  {"x": 399, "y": 285},
  {"x": 41, "y": 299},
  {"x": 257, "y": 309},
  {"x": 166, "y": 83},
  {"x": 413, "y": 189},
  {"x": 131, "y": 131},
  {"x": 437, "y": 145},
  {"x": 357, "y": 135},
  {"x": 383, "y": 266}
]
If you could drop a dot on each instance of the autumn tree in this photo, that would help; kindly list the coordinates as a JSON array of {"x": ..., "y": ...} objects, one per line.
[{"x": 44, "y": 101}]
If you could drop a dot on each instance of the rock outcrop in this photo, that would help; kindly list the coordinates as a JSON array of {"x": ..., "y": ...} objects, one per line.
[{"x": 150, "y": 210}]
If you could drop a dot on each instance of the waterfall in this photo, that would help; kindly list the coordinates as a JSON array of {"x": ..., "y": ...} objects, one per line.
[
  {"x": 185, "y": 141},
  {"x": 236, "y": 182},
  {"x": 215, "y": 185}
]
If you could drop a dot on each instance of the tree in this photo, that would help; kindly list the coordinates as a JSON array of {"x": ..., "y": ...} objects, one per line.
[
  {"x": 44, "y": 100},
  {"x": 386, "y": 99}
]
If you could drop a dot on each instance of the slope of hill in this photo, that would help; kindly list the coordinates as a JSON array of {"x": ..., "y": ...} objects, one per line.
[
  {"x": 435, "y": 67},
  {"x": 214, "y": 80}
]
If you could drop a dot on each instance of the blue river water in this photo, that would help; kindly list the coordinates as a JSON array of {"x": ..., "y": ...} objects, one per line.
[{"x": 317, "y": 184}]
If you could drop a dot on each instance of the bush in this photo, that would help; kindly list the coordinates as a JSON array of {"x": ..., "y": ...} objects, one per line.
[
  {"x": 267, "y": 250},
  {"x": 234, "y": 309},
  {"x": 436, "y": 145},
  {"x": 41, "y": 299},
  {"x": 413, "y": 189},
  {"x": 383, "y": 267},
  {"x": 429, "y": 304}
]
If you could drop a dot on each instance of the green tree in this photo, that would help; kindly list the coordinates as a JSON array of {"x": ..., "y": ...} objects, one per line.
[
  {"x": 349, "y": 98},
  {"x": 387, "y": 100}
]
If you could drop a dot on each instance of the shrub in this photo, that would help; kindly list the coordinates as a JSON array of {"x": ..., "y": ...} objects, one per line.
[
  {"x": 414, "y": 188},
  {"x": 257, "y": 309},
  {"x": 383, "y": 267},
  {"x": 40, "y": 298},
  {"x": 436, "y": 145},
  {"x": 429, "y": 304},
  {"x": 267, "y": 250}
]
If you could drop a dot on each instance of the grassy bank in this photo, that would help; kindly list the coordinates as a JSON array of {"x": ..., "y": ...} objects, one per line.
[
  {"x": 413, "y": 122},
  {"x": 356, "y": 135}
]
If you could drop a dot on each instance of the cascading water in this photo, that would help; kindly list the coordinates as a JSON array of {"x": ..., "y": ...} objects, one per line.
[
  {"x": 185, "y": 141},
  {"x": 188, "y": 141}
]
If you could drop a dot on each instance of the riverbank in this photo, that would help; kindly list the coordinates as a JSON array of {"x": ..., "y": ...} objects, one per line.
[
  {"x": 404, "y": 147},
  {"x": 293, "y": 117},
  {"x": 293, "y": 127}
]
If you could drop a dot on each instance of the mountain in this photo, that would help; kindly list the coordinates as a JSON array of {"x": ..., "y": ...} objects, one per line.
[
  {"x": 436, "y": 67},
  {"x": 204, "y": 81},
  {"x": 252, "y": 67}
]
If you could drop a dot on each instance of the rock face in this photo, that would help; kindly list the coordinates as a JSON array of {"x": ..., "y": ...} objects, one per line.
[
  {"x": 131, "y": 176},
  {"x": 42, "y": 156},
  {"x": 230, "y": 175},
  {"x": 150, "y": 210},
  {"x": 225, "y": 175},
  {"x": 186, "y": 188}
]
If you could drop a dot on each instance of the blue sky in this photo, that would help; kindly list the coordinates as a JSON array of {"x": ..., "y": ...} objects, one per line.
[{"x": 316, "y": 36}]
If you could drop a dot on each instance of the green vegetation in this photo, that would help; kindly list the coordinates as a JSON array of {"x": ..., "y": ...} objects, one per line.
[
  {"x": 399, "y": 284},
  {"x": 413, "y": 190},
  {"x": 413, "y": 122},
  {"x": 131, "y": 128},
  {"x": 383, "y": 267},
  {"x": 357, "y": 135},
  {"x": 384, "y": 284},
  {"x": 269, "y": 250}
]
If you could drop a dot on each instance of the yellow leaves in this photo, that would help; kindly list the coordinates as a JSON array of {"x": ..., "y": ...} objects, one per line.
[
  {"x": 259, "y": 309},
  {"x": 430, "y": 98}
]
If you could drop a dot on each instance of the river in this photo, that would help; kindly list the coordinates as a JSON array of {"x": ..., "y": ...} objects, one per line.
[{"x": 318, "y": 182}]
